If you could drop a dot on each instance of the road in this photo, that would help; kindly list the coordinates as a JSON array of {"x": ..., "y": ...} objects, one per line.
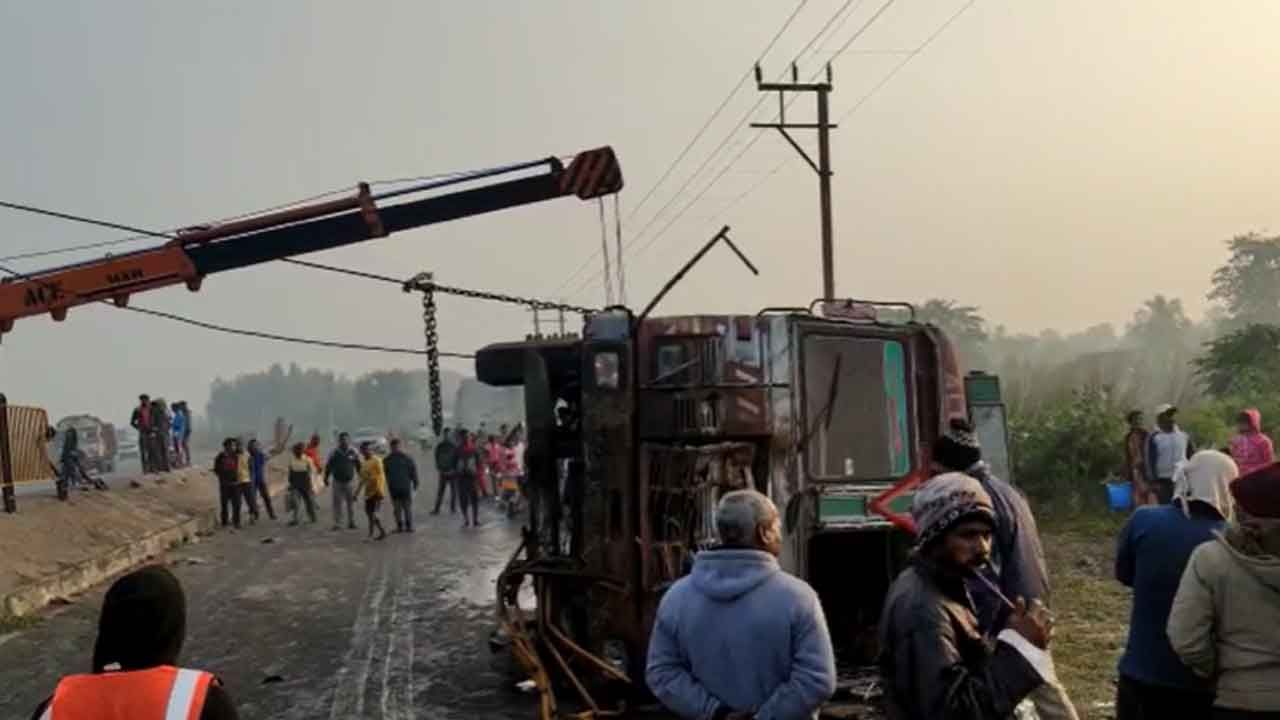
[{"x": 351, "y": 628}]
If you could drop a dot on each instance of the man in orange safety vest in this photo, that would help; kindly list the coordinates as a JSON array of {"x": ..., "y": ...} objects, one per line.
[{"x": 135, "y": 674}]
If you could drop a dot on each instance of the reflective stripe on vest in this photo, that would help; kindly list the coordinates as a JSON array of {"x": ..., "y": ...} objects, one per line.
[{"x": 160, "y": 693}]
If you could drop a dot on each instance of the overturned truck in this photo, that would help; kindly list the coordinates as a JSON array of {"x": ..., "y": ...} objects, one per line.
[{"x": 638, "y": 427}]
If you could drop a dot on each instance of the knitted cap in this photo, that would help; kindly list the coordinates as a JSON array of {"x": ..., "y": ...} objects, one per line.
[
  {"x": 958, "y": 449},
  {"x": 1258, "y": 493},
  {"x": 946, "y": 500}
]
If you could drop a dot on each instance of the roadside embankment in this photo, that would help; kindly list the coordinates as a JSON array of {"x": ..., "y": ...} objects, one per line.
[{"x": 52, "y": 550}]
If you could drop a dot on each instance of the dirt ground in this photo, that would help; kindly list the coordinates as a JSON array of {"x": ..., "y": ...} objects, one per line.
[
  {"x": 1091, "y": 608},
  {"x": 47, "y": 535}
]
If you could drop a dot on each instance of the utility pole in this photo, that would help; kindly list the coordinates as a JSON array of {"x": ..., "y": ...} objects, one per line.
[{"x": 822, "y": 167}]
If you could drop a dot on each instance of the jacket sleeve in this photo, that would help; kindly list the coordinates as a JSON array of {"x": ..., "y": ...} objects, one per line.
[
  {"x": 947, "y": 689},
  {"x": 813, "y": 669},
  {"x": 668, "y": 675},
  {"x": 1125, "y": 561},
  {"x": 1268, "y": 449},
  {"x": 1191, "y": 620},
  {"x": 1023, "y": 572}
]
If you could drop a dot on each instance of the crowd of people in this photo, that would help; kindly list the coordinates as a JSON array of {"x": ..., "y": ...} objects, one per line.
[
  {"x": 347, "y": 472},
  {"x": 965, "y": 630},
  {"x": 478, "y": 465},
  {"x": 164, "y": 434}
]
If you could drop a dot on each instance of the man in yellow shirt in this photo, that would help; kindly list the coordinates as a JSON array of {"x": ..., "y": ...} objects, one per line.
[
  {"x": 373, "y": 480},
  {"x": 244, "y": 481}
]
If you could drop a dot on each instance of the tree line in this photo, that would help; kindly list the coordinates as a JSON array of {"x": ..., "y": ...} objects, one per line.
[
  {"x": 322, "y": 401},
  {"x": 1067, "y": 395}
]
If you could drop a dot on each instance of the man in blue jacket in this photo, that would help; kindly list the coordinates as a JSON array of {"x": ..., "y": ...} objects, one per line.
[
  {"x": 1152, "y": 553},
  {"x": 738, "y": 637}
]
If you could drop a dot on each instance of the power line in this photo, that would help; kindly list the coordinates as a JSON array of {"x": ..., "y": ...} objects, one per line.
[
  {"x": 694, "y": 140},
  {"x": 82, "y": 219},
  {"x": 830, "y": 21},
  {"x": 720, "y": 109},
  {"x": 288, "y": 338},
  {"x": 254, "y": 333},
  {"x": 139, "y": 234},
  {"x": 909, "y": 56},
  {"x": 759, "y": 101}
]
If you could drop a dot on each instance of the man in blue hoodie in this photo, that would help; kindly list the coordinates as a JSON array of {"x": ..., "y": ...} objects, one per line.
[{"x": 738, "y": 637}]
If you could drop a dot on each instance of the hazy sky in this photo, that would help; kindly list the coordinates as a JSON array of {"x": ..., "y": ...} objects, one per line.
[{"x": 1052, "y": 162}]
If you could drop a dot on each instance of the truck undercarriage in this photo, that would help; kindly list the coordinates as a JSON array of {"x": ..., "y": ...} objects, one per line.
[{"x": 638, "y": 428}]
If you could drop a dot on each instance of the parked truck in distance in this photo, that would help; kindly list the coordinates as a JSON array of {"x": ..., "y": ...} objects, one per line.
[{"x": 96, "y": 441}]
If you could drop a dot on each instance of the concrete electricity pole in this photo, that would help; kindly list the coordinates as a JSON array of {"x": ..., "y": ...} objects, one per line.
[{"x": 822, "y": 167}]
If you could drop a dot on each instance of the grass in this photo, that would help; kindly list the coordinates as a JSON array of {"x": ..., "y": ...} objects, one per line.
[
  {"x": 14, "y": 623},
  {"x": 1091, "y": 608}
]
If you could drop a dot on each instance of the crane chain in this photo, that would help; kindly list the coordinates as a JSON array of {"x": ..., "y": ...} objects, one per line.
[
  {"x": 425, "y": 284},
  {"x": 533, "y": 303},
  {"x": 433, "y": 359}
]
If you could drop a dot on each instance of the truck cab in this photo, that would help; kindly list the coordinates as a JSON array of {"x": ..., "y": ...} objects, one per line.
[{"x": 637, "y": 428}]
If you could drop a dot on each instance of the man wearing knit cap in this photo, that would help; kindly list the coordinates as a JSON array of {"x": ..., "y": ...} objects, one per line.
[
  {"x": 1017, "y": 564},
  {"x": 1227, "y": 608},
  {"x": 935, "y": 660}
]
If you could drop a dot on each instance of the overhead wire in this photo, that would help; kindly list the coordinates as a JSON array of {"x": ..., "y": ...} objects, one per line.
[
  {"x": 255, "y": 333},
  {"x": 862, "y": 100},
  {"x": 588, "y": 282},
  {"x": 742, "y": 81},
  {"x": 139, "y": 234}
]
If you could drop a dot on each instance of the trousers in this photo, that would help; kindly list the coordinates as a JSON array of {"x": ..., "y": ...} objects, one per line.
[
  {"x": 468, "y": 494},
  {"x": 230, "y": 497},
  {"x": 447, "y": 483},
  {"x": 402, "y": 509},
  {"x": 302, "y": 496},
  {"x": 259, "y": 490},
  {"x": 1140, "y": 701},
  {"x": 344, "y": 498}
]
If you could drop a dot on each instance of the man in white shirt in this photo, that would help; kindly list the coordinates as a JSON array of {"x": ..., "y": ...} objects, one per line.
[{"x": 1167, "y": 446}]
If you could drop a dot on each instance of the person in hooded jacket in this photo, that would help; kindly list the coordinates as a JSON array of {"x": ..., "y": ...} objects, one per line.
[
  {"x": 1151, "y": 555},
  {"x": 1250, "y": 448},
  {"x": 738, "y": 637},
  {"x": 135, "y": 673},
  {"x": 1226, "y": 612}
]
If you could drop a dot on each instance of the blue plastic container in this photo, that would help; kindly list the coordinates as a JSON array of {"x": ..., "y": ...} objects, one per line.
[{"x": 1119, "y": 496}]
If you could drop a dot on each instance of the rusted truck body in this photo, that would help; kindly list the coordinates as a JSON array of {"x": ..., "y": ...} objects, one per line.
[{"x": 637, "y": 429}]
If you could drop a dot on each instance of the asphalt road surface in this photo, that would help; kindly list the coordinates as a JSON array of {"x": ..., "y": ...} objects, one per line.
[{"x": 318, "y": 623}]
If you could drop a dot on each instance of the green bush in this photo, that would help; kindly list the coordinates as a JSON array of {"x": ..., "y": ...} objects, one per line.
[{"x": 1062, "y": 452}]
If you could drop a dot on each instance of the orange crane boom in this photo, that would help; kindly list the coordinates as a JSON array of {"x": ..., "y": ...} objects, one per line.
[{"x": 201, "y": 251}]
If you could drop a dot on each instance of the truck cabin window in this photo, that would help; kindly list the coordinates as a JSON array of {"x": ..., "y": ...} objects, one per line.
[
  {"x": 608, "y": 370},
  {"x": 855, "y": 408}
]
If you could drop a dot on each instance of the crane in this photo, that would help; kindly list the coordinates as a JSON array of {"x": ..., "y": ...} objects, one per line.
[{"x": 199, "y": 251}]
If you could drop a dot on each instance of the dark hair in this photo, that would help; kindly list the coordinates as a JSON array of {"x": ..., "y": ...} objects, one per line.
[
  {"x": 366, "y": 445},
  {"x": 346, "y": 435},
  {"x": 144, "y": 397},
  {"x": 228, "y": 442},
  {"x": 395, "y": 442},
  {"x": 1133, "y": 415}
]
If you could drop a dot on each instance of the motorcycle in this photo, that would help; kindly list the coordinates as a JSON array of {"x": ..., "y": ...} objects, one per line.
[{"x": 510, "y": 497}]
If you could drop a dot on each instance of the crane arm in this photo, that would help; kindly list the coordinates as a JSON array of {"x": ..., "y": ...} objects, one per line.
[{"x": 202, "y": 251}]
